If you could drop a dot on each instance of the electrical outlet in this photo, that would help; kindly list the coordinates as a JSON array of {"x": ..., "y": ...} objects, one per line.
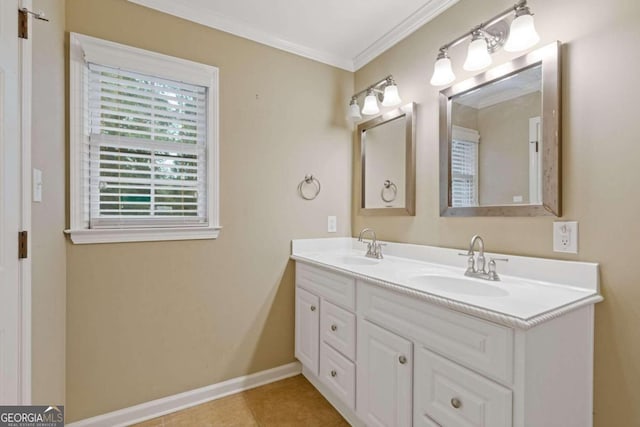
[
  {"x": 565, "y": 236},
  {"x": 332, "y": 224}
]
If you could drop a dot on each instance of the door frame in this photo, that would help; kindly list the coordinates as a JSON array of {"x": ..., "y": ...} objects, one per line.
[
  {"x": 25, "y": 76},
  {"x": 535, "y": 160}
]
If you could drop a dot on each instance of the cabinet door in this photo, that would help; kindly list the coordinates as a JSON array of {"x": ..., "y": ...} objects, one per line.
[
  {"x": 385, "y": 369},
  {"x": 307, "y": 329}
]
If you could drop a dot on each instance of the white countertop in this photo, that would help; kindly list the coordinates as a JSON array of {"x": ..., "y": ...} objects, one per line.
[{"x": 531, "y": 290}]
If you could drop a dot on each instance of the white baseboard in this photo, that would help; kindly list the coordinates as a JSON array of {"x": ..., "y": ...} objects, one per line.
[{"x": 177, "y": 402}]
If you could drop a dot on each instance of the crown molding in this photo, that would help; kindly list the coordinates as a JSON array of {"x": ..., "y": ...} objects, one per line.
[
  {"x": 241, "y": 29},
  {"x": 423, "y": 15}
]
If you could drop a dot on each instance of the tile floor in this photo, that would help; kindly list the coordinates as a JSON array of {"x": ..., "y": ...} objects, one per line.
[{"x": 287, "y": 403}]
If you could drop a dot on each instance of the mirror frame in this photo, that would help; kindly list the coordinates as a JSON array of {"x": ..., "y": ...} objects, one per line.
[
  {"x": 409, "y": 208},
  {"x": 549, "y": 56}
]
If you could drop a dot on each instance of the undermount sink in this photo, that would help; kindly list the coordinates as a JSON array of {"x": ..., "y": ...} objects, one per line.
[{"x": 457, "y": 285}]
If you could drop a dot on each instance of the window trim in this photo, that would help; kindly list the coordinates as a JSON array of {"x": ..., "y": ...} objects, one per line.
[{"x": 84, "y": 49}]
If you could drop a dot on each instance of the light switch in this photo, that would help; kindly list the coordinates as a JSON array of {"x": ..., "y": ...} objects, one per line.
[
  {"x": 332, "y": 224},
  {"x": 36, "y": 182}
]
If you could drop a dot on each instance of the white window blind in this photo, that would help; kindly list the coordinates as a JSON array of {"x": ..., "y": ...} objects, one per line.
[
  {"x": 146, "y": 154},
  {"x": 464, "y": 167}
]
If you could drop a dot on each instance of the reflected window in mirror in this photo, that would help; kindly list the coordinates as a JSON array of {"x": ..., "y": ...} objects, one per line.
[
  {"x": 500, "y": 141},
  {"x": 464, "y": 166},
  {"x": 494, "y": 142}
]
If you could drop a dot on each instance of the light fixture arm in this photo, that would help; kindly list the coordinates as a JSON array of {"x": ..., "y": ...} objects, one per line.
[
  {"x": 520, "y": 5},
  {"x": 377, "y": 87}
]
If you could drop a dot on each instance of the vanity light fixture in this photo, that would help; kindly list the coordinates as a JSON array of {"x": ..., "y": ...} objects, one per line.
[
  {"x": 370, "y": 104},
  {"x": 384, "y": 91},
  {"x": 486, "y": 38},
  {"x": 478, "y": 56}
]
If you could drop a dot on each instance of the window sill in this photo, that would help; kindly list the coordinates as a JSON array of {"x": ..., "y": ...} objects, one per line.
[{"x": 85, "y": 236}]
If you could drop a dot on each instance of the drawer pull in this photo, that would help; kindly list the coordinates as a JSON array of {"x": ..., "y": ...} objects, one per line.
[
  {"x": 334, "y": 328},
  {"x": 313, "y": 308},
  {"x": 456, "y": 403},
  {"x": 334, "y": 373},
  {"x": 402, "y": 360}
]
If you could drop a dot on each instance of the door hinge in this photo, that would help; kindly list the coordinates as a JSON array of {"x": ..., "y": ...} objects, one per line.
[
  {"x": 23, "y": 24},
  {"x": 23, "y": 237}
]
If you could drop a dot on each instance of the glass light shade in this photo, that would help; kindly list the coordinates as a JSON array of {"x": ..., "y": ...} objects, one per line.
[
  {"x": 477, "y": 56},
  {"x": 523, "y": 34},
  {"x": 370, "y": 105},
  {"x": 391, "y": 96},
  {"x": 354, "y": 111},
  {"x": 442, "y": 72}
]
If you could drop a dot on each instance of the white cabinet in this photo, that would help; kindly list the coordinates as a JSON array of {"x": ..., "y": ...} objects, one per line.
[
  {"x": 385, "y": 371},
  {"x": 307, "y": 329},
  {"x": 385, "y": 358}
]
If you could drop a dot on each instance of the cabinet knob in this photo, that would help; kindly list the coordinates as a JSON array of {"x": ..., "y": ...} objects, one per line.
[
  {"x": 334, "y": 327},
  {"x": 313, "y": 308},
  {"x": 334, "y": 373},
  {"x": 402, "y": 360},
  {"x": 456, "y": 403}
]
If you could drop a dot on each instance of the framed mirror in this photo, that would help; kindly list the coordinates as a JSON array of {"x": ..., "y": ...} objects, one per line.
[
  {"x": 500, "y": 140},
  {"x": 386, "y": 146}
]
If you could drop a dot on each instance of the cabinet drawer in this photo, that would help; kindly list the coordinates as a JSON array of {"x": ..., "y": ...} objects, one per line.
[
  {"x": 339, "y": 374},
  {"x": 338, "y": 328},
  {"x": 338, "y": 289},
  {"x": 475, "y": 343},
  {"x": 455, "y": 396}
]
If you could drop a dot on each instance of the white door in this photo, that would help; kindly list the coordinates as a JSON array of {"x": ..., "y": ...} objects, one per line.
[
  {"x": 385, "y": 371},
  {"x": 10, "y": 204},
  {"x": 308, "y": 329},
  {"x": 535, "y": 162}
]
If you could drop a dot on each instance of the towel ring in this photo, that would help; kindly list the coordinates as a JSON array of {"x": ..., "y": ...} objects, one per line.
[
  {"x": 388, "y": 185},
  {"x": 309, "y": 179}
]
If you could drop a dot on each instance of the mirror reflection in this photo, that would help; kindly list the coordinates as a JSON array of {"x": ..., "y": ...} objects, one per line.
[
  {"x": 496, "y": 147},
  {"x": 384, "y": 166},
  {"x": 386, "y": 146}
]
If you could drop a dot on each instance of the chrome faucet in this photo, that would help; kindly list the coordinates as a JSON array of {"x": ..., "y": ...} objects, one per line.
[
  {"x": 476, "y": 266},
  {"x": 374, "y": 249}
]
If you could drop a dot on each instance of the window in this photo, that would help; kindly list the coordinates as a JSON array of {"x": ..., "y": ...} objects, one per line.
[
  {"x": 143, "y": 145},
  {"x": 464, "y": 167}
]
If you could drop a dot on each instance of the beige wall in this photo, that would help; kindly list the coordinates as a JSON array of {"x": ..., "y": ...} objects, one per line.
[
  {"x": 147, "y": 320},
  {"x": 600, "y": 171},
  {"x": 503, "y": 156},
  {"x": 48, "y": 217}
]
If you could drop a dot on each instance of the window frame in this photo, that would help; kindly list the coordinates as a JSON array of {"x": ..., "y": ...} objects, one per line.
[{"x": 85, "y": 49}]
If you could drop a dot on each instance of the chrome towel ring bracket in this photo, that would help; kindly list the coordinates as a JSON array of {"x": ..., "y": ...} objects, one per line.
[
  {"x": 389, "y": 191},
  {"x": 312, "y": 182}
]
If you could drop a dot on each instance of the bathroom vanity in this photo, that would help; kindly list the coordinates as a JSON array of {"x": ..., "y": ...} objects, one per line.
[{"x": 408, "y": 340}]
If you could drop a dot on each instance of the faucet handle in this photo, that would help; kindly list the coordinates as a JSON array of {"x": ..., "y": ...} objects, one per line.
[
  {"x": 471, "y": 263},
  {"x": 493, "y": 274}
]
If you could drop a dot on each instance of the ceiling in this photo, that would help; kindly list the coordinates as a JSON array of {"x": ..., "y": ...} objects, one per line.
[{"x": 343, "y": 33}]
